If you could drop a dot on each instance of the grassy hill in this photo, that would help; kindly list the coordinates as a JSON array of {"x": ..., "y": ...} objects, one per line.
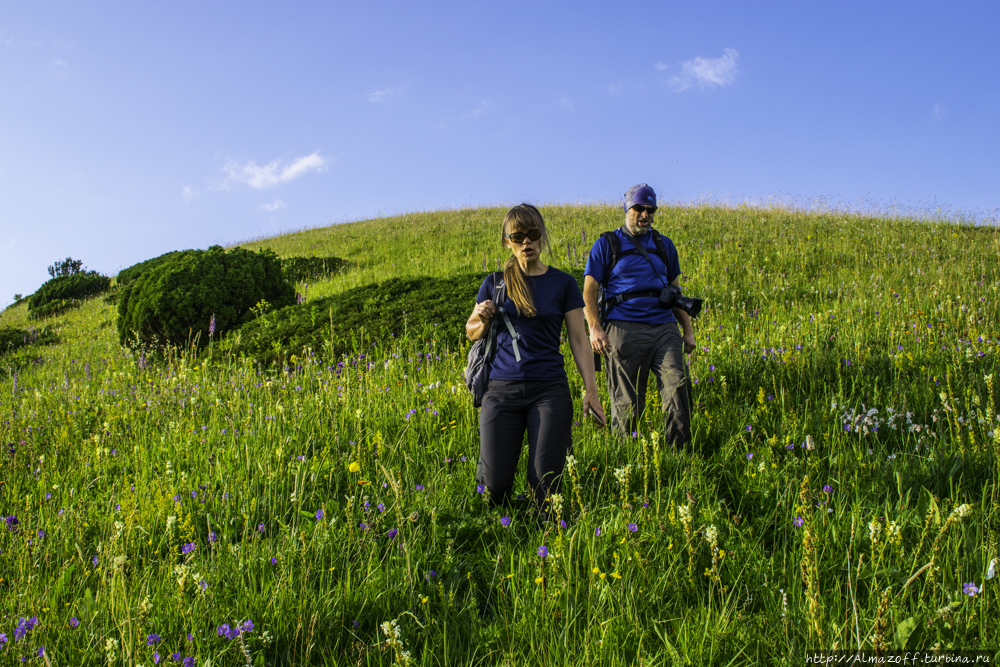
[{"x": 840, "y": 490}]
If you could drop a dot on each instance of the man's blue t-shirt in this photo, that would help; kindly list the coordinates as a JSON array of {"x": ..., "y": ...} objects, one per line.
[
  {"x": 554, "y": 293},
  {"x": 634, "y": 274}
]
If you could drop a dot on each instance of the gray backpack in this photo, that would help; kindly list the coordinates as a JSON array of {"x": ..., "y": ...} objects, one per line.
[{"x": 477, "y": 373}]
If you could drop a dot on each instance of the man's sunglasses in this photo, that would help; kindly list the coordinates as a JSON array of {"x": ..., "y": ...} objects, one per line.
[
  {"x": 518, "y": 237},
  {"x": 645, "y": 209}
]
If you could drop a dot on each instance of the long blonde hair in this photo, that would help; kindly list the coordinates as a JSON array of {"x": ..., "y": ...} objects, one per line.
[{"x": 521, "y": 218}]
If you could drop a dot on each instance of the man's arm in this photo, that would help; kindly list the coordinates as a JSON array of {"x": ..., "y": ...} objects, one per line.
[
  {"x": 685, "y": 322},
  {"x": 598, "y": 339}
]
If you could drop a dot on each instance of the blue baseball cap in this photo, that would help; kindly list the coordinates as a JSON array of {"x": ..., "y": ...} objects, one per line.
[{"x": 640, "y": 195}]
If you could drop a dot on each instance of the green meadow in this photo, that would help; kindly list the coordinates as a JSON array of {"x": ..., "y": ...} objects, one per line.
[{"x": 208, "y": 508}]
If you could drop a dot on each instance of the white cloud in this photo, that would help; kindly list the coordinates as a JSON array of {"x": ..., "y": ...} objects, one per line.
[
  {"x": 383, "y": 95},
  {"x": 273, "y": 206},
  {"x": 707, "y": 72},
  {"x": 272, "y": 173},
  {"x": 478, "y": 111},
  {"x": 59, "y": 67},
  {"x": 189, "y": 194},
  {"x": 937, "y": 111},
  {"x": 661, "y": 66}
]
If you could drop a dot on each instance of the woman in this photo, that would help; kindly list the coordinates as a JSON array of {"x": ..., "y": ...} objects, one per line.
[{"x": 530, "y": 394}]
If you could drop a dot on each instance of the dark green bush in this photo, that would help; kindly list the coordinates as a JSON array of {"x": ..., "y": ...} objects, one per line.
[
  {"x": 53, "y": 308},
  {"x": 302, "y": 269},
  {"x": 12, "y": 338},
  {"x": 67, "y": 288},
  {"x": 173, "y": 303},
  {"x": 378, "y": 312},
  {"x": 126, "y": 276}
]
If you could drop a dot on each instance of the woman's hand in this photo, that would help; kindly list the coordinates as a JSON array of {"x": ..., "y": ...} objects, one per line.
[
  {"x": 479, "y": 321},
  {"x": 484, "y": 311},
  {"x": 592, "y": 408}
]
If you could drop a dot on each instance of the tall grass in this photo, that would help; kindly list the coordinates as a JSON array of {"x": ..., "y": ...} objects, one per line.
[{"x": 840, "y": 490}]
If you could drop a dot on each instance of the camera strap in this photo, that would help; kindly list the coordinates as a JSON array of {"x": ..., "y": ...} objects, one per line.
[{"x": 637, "y": 244}]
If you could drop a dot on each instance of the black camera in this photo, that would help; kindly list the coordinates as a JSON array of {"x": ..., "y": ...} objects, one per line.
[{"x": 671, "y": 297}]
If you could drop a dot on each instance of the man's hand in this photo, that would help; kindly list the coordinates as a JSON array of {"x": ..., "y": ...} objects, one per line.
[
  {"x": 689, "y": 342},
  {"x": 599, "y": 341}
]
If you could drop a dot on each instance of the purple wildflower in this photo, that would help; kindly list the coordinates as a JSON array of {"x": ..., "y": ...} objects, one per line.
[
  {"x": 799, "y": 521},
  {"x": 480, "y": 488},
  {"x": 827, "y": 488},
  {"x": 632, "y": 528},
  {"x": 597, "y": 532},
  {"x": 189, "y": 547},
  {"x": 392, "y": 533},
  {"x": 74, "y": 621},
  {"x": 274, "y": 561},
  {"x": 319, "y": 514},
  {"x": 749, "y": 455},
  {"x": 505, "y": 521},
  {"x": 543, "y": 551},
  {"x": 152, "y": 639}
]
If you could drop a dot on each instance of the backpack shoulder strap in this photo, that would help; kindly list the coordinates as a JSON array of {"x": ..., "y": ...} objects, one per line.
[
  {"x": 616, "y": 250},
  {"x": 499, "y": 298},
  {"x": 661, "y": 248}
]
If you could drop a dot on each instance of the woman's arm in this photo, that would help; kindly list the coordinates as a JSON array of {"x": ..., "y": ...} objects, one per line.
[
  {"x": 479, "y": 320},
  {"x": 583, "y": 355}
]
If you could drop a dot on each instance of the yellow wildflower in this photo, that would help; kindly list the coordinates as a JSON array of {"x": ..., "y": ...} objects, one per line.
[{"x": 354, "y": 467}]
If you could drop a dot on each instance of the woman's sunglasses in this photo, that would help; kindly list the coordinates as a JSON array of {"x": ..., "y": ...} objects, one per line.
[{"x": 518, "y": 237}]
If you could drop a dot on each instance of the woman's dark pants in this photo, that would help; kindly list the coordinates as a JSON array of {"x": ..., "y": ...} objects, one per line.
[{"x": 510, "y": 408}]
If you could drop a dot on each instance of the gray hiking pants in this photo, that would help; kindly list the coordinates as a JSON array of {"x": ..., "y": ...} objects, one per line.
[{"x": 636, "y": 349}]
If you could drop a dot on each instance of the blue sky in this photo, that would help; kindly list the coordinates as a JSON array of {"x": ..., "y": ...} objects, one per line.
[{"x": 128, "y": 129}]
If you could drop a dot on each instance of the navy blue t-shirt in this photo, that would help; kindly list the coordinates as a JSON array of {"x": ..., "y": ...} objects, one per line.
[
  {"x": 634, "y": 274},
  {"x": 554, "y": 293}
]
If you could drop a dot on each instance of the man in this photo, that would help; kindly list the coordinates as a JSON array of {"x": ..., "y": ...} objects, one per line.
[{"x": 639, "y": 333}]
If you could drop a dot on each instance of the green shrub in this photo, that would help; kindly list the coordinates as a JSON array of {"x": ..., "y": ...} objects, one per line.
[
  {"x": 12, "y": 338},
  {"x": 422, "y": 307},
  {"x": 173, "y": 303},
  {"x": 126, "y": 276},
  {"x": 302, "y": 269},
  {"x": 67, "y": 288},
  {"x": 53, "y": 308},
  {"x": 419, "y": 307}
]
